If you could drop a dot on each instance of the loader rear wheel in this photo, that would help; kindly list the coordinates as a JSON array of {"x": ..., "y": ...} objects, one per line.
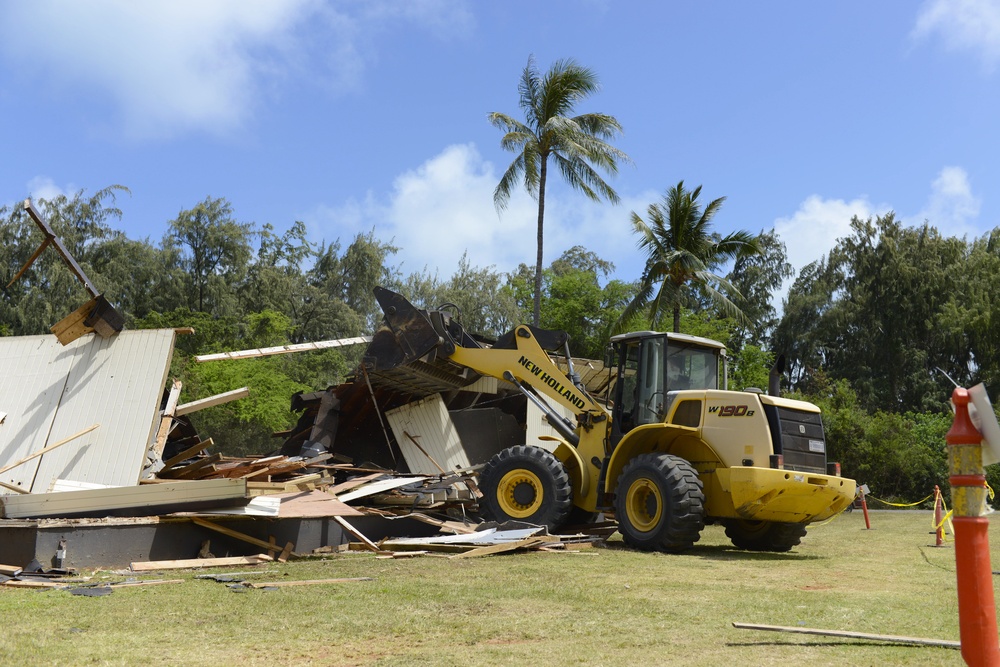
[
  {"x": 764, "y": 535},
  {"x": 526, "y": 484},
  {"x": 659, "y": 504}
]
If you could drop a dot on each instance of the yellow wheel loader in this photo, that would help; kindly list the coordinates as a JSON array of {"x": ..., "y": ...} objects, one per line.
[{"x": 667, "y": 450}]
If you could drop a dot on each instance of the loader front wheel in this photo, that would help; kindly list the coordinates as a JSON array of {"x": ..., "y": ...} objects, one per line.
[
  {"x": 526, "y": 484},
  {"x": 659, "y": 503},
  {"x": 764, "y": 535}
]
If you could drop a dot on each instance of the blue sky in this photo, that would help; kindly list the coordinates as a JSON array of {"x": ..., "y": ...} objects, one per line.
[{"x": 362, "y": 115}]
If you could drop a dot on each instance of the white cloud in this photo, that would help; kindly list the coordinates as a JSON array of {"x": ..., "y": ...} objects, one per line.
[
  {"x": 43, "y": 187},
  {"x": 171, "y": 66},
  {"x": 444, "y": 208},
  {"x": 813, "y": 230},
  {"x": 963, "y": 25},
  {"x": 951, "y": 208}
]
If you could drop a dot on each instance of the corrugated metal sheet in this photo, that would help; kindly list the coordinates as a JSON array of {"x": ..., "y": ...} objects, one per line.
[
  {"x": 51, "y": 392},
  {"x": 428, "y": 421}
]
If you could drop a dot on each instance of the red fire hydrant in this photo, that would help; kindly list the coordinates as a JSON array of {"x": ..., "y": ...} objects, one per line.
[{"x": 976, "y": 606}]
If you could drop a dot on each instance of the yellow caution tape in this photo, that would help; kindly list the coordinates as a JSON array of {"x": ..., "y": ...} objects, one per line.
[
  {"x": 946, "y": 519},
  {"x": 886, "y": 502}
]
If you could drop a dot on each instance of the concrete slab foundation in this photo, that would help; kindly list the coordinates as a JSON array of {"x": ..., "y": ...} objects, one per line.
[{"x": 113, "y": 543}]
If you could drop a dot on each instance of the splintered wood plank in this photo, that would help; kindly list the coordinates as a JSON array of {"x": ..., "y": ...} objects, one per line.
[
  {"x": 168, "y": 417},
  {"x": 48, "y": 449},
  {"x": 212, "y": 401},
  {"x": 71, "y": 327},
  {"x": 851, "y": 635},
  {"x": 192, "y": 470},
  {"x": 188, "y": 563},
  {"x": 501, "y": 548},
  {"x": 34, "y": 583},
  {"x": 355, "y": 482},
  {"x": 187, "y": 453},
  {"x": 284, "y": 349},
  {"x": 267, "y": 546},
  {"x": 357, "y": 533}
]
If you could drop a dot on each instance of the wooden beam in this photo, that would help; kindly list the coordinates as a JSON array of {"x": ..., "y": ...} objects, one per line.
[
  {"x": 10, "y": 570},
  {"x": 851, "y": 635},
  {"x": 306, "y": 582},
  {"x": 15, "y": 489},
  {"x": 211, "y": 401},
  {"x": 192, "y": 469},
  {"x": 31, "y": 260},
  {"x": 284, "y": 349},
  {"x": 60, "y": 248},
  {"x": 505, "y": 546},
  {"x": 187, "y": 453},
  {"x": 357, "y": 533},
  {"x": 48, "y": 449},
  {"x": 167, "y": 419},
  {"x": 267, "y": 546},
  {"x": 151, "y": 565},
  {"x": 73, "y": 326},
  {"x": 424, "y": 452}
]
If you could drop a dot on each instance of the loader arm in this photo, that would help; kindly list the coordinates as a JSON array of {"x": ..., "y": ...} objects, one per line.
[{"x": 531, "y": 366}]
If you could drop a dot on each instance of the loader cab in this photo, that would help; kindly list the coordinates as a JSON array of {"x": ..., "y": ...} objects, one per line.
[{"x": 650, "y": 365}]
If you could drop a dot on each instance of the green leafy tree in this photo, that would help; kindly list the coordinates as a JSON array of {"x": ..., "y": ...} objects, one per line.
[
  {"x": 682, "y": 256},
  {"x": 352, "y": 277},
  {"x": 886, "y": 310},
  {"x": 578, "y": 303},
  {"x": 756, "y": 277},
  {"x": 212, "y": 252},
  {"x": 578, "y": 145}
]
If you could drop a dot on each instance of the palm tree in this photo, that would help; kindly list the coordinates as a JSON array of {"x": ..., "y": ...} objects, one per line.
[
  {"x": 577, "y": 144},
  {"x": 681, "y": 256}
]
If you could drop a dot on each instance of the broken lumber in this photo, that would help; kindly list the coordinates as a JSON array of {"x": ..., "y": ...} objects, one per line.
[
  {"x": 10, "y": 570},
  {"x": 851, "y": 635},
  {"x": 212, "y": 401},
  {"x": 506, "y": 546},
  {"x": 167, "y": 418},
  {"x": 267, "y": 546},
  {"x": 197, "y": 468},
  {"x": 151, "y": 565},
  {"x": 48, "y": 449},
  {"x": 187, "y": 453},
  {"x": 358, "y": 534},
  {"x": 284, "y": 349}
]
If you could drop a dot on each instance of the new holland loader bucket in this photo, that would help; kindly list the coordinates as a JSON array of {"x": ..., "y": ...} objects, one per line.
[{"x": 405, "y": 336}]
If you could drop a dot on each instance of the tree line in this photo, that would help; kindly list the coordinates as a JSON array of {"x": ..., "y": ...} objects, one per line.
[{"x": 874, "y": 332}]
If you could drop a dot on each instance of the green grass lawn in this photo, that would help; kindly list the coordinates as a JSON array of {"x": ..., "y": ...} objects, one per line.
[{"x": 607, "y": 606}]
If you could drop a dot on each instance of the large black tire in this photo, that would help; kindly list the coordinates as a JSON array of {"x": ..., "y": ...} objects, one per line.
[
  {"x": 764, "y": 535},
  {"x": 659, "y": 503},
  {"x": 528, "y": 484}
]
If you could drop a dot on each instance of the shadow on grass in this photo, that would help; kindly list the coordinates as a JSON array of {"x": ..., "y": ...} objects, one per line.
[{"x": 726, "y": 553}]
